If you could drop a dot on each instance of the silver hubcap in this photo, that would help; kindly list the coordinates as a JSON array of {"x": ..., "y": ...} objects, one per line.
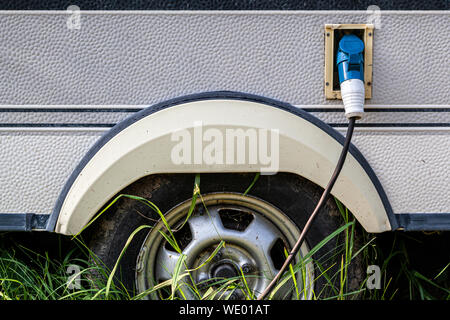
[{"x": 255, "y": 235}]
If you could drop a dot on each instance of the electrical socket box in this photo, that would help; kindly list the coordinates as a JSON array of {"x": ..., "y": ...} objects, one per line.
[{"x": 333, "y": 34}]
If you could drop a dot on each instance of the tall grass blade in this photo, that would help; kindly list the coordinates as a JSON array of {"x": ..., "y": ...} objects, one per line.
[{"x": 130, "y": 238}]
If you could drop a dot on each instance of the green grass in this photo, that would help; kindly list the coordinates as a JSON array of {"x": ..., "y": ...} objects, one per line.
[
  {"x": 37, "y": 274},
  {"x": 29, "y": 275}
]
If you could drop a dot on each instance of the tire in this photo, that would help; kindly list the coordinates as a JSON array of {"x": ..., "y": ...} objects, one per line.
[{"x": 294, "y": 196}]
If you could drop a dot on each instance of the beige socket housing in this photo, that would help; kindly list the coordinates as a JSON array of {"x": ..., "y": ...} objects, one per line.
[{"x": 365, "y": 32}]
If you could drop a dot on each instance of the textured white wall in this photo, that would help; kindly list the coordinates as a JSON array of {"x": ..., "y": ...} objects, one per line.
[{"x": 144, "y": 58}]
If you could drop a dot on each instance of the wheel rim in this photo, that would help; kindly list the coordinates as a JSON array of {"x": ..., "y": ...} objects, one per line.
[{"x": 255, "y": 234}]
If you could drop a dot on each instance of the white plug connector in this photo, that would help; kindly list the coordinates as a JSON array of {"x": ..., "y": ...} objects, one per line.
[{"x": 352, "y": 92}]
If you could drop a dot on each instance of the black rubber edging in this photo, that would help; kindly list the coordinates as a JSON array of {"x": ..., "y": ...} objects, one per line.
[
  {"x": 423, "y": 221},
  {"x": 225, "y": 4},
  {"x": 23, "y": 221}
]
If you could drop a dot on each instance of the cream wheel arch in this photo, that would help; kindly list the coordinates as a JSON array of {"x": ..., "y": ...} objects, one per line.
[{"x": 143, "y": 145}]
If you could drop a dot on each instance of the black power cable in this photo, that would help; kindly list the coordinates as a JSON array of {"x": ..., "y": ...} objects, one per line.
[{"x": 319, "y": 206}]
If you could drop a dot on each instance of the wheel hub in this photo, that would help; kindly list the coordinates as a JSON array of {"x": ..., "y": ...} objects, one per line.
[
  {"x": 224, "y": 270},
  {"x": 254, "y": 233}
]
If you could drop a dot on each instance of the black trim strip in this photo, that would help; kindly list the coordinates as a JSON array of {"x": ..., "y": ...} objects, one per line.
[
  {"x": 386, "y": 125},
  {"x": 56, "y": 125},
  {"x": 381, "y": 109},
  {"x": 213, "y": 96},
  {"x": 406, "y": 221},
  {"x": 74, "y": 110},
  {"x": 110, "y": 125},
  {"x": 132, "y": 110},
  {"x": 225, "y": 5},
  {"x": 423, "y": 221},
  {"x": 23, "y": 221}
]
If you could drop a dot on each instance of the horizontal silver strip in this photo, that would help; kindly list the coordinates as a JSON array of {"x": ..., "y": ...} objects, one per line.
[
  {"x": 142, "y": 106},
  {"x": 435, "y": 130},
  {"x": 106, "y": 116}
]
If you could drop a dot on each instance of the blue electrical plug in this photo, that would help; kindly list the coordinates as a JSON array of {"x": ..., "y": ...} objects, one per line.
[
  {"x": 350, "y": 64},
  {"x": 350, "y": 60}
]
